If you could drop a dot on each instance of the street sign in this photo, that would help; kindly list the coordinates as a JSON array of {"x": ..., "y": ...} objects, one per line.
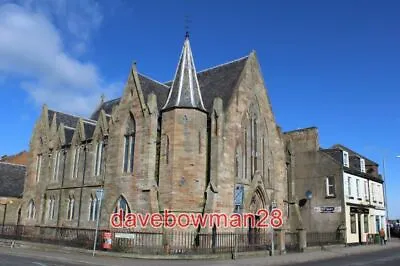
[
  {"x": 99, "y": 193},
  {"x": 125, "y": 235},
  {"x": 328, "y": 209}
]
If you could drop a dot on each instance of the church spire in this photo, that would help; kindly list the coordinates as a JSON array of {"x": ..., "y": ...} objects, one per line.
[{"x": 185, "y": 89}]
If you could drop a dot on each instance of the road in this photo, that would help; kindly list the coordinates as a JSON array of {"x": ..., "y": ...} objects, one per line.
[
  {"x": 387, "y": 257},
  {"x": 17, "y": 257}
]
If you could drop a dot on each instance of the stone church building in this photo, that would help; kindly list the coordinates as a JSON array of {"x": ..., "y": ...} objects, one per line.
[{"x": 184, "y": 145}]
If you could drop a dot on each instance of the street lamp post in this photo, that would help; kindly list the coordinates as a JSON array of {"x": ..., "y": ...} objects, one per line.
[
  {"x": 99, "y": 196},
  {"x": 387, "y": 209},
  {"x": 386, "y": 202}
]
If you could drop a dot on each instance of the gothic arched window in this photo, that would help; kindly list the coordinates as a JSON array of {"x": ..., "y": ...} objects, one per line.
[
  {"x": 263, "y": 155},
  {"x": 93, "y": 207},
  {"x": 98, "y": 159},
  {"x": 238, "y": 163},
  {"x": 31, "y": 210},
  {"x": 75, "y": 162},
  {"x": 122, "y": 205},
  {"x": 38, "y": 166},
  {"x": 244, "y": 153},
  {"x": 51, "y": 207},
  {"x": 71, "y": 207},
  {"x": 56, "y": 165},
  {"x": 254, "y": 144},
  {"x": 129, "y": 145}
]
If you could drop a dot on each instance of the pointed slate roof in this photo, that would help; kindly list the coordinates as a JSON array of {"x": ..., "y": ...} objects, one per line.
[
  {"x": 12, "y": 178},
  {"x": 185, "y": 89},
  {"x": 148, "y": 86},
  {"x": 354, "y": 154}
]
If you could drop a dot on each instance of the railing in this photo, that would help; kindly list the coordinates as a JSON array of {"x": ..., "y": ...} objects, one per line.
[
  {"x": 162, "y": 243},
  {"x": 169, "y": 242},
  {"x": 60, "y": 236},
  {"x": 324, "y": 238}
]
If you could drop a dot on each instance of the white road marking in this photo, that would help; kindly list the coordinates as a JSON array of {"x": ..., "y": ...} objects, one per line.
[{"x": 39, "y": 263}]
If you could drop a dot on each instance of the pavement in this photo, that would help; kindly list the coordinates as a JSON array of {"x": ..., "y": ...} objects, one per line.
[{"x": 26, "y": 253}]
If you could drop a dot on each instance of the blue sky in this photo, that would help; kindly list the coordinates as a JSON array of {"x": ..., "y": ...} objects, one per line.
[{"x": 330, "y": 64}]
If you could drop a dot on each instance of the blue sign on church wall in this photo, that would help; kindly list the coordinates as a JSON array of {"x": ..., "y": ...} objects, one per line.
[{"x": 239, "y": 195}]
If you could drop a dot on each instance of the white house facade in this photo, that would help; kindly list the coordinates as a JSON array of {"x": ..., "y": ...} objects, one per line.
[{"x": 365, "y": 212}]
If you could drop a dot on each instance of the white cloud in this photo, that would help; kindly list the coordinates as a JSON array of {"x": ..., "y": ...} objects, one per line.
[
  {"x": 33, "y": 48},
  {"x": 76, "y": 19}
]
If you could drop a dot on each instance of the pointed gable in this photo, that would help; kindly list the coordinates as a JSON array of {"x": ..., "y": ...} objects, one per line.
[
  {"x": 70, "y": 122},
  {"x": 66, "y": 119},
  {"x": 185, "y": 89}
]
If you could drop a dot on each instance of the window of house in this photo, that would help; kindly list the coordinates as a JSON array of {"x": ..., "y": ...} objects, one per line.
[
  {"x": 71, "y": 207},
  {"x": 93, "y": 208},
  {"x": 56, "y": 165},
  {"x": 366, "y": 190},
  {"x": 362, "y": 165},
  {"x": 38, "y": 166},
  {"x": 349, "y": 186},
  {"x": 330, "y": 186},
  {"x": 346, "y": 159},
  {"x": 98, "y": 158},
  {"x": 380, "y": 194},
  {"x": 373, "y": 192},
  {"x": 358, "y": 188},
  {"x": 31, "y": 210},
  {"x": 129, "y": 146},
  {"x": 353, "y": 223},
  {"x": 366, "y": 224},
  {"x": 75, "y": 165}
]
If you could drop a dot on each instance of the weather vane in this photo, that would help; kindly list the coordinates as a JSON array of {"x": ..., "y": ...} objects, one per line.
[{"x": 187, "y": 22}]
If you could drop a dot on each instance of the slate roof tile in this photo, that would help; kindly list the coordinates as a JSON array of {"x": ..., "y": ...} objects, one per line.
[
  {"x": 214, "y": 82},
  {"x": 12, "y": 177}
]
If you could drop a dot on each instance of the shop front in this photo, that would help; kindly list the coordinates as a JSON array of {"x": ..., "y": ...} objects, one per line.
[{"x": 358, "y": 225}]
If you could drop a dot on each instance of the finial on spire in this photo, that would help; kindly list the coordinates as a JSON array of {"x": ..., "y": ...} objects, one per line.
[
  {"x": 187, "y": 22},
  {"x": 102, "y": 98}
]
